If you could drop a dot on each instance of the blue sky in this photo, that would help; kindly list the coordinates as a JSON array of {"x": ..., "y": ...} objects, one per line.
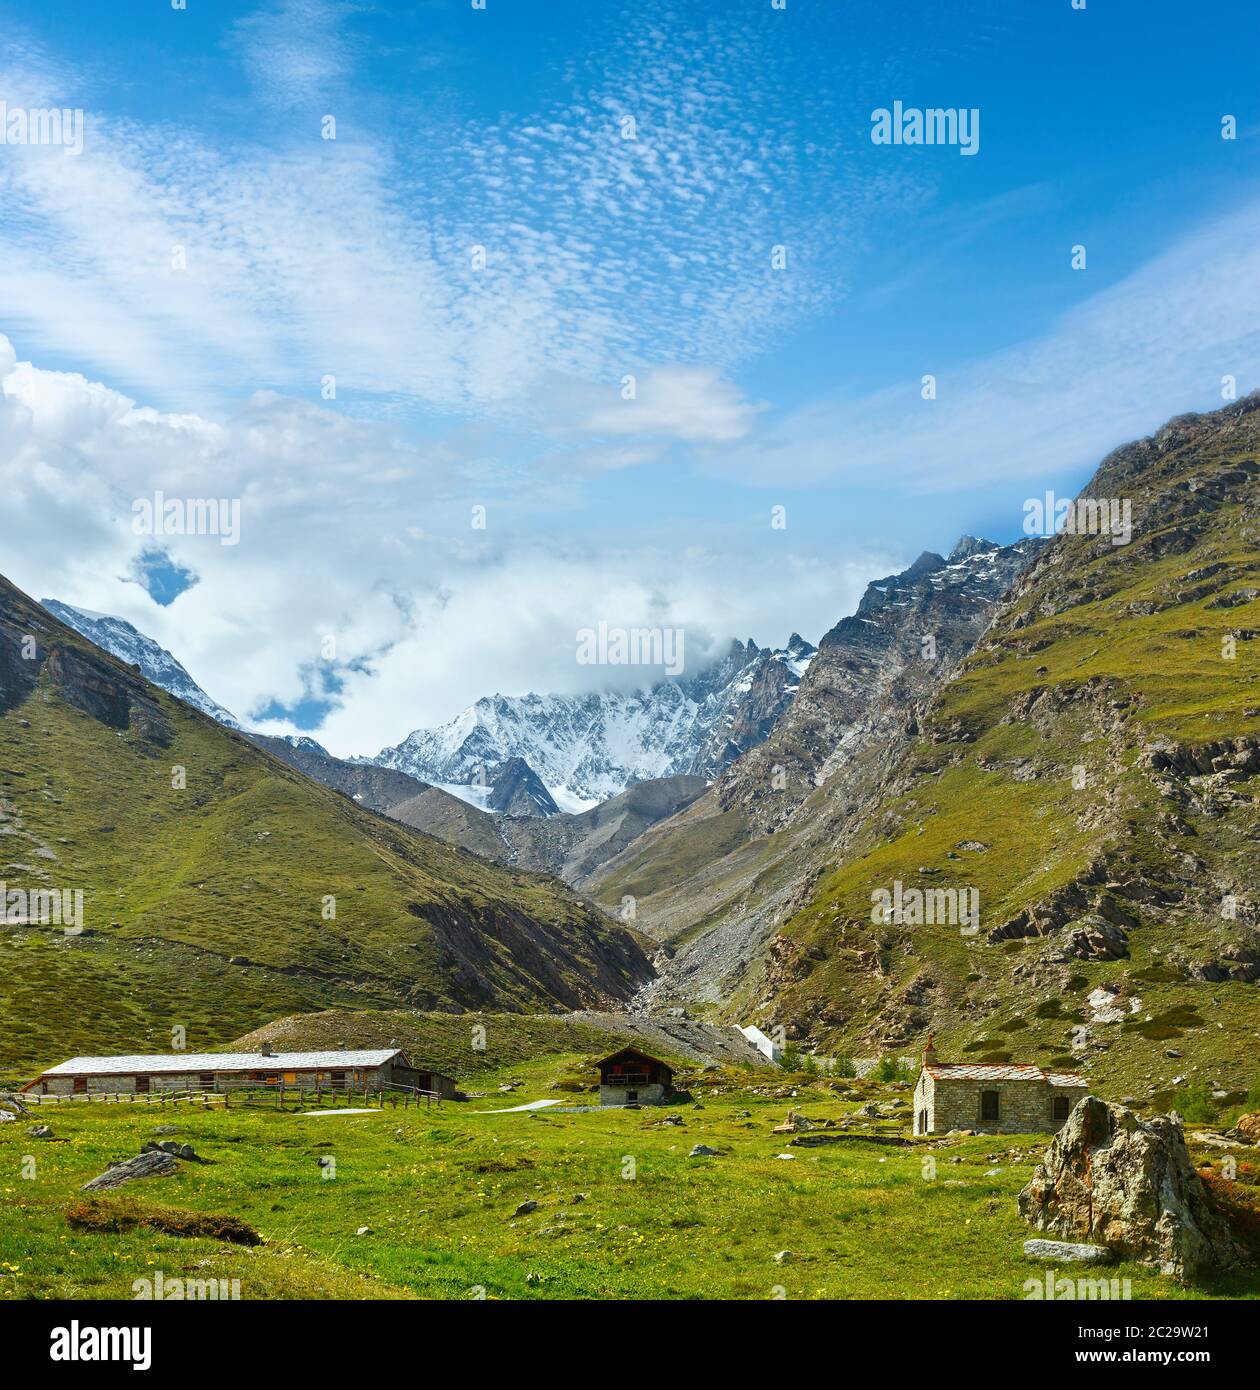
[{"x": 306, "y": 258}]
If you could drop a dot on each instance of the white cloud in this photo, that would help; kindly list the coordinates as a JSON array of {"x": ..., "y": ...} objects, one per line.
[
  {"x": 351, "y": 530},
  {"x": 305, "y": 257},
  {"x": 1112, "y": 368},
  {"x": 294, "y": 51},
  {"x": 689, "y": 403}
]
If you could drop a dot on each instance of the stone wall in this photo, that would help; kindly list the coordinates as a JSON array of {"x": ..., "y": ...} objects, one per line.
[
  {"x": 1024, "y": 1107},
  {"x": 167, "y": 1081},
  {"x": 648, "y": 1094}
]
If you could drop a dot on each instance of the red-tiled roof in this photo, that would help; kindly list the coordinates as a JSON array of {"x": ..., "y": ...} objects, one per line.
[{"x": 1001, "y": 1071}]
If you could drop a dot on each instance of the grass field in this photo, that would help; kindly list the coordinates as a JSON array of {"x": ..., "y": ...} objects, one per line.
[{"x": 438, "y": 1191}]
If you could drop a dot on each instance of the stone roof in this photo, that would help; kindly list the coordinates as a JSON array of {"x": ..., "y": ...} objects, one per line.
[
  {"x": 220, "y": 1061},
  {"x": 1001, "y": 1071}
]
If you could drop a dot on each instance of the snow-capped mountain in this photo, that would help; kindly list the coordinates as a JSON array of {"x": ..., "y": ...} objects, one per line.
[
  {"x": 536, "y": 754},
  {"x": 587, "y": 748},
  {"x": 120, "y": 639}
]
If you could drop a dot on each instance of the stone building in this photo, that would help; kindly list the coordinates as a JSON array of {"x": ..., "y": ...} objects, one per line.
[
  {"x": 223, "y": 1071},
  {"x": 994, "y": 1098},
  {"x": 631, "y": 1077}
]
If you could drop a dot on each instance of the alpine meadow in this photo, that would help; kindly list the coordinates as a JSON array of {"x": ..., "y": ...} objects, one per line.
[{"x": 629, "y": 670}]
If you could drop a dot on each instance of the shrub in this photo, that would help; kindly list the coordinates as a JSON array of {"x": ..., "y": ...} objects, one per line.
[
  {"x": 843, "y": 1066},
  {"x": 1193, "y": 1101},
  {"x": 112, "y": 1216},
  {"x": 891, "y": 1068}
]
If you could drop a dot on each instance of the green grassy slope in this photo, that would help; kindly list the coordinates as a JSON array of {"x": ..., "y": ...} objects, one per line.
[
  {"x": 238, "y": 864},
  {"x": 1067, "y": 773},
  {"x": 622, "y": 1212}
]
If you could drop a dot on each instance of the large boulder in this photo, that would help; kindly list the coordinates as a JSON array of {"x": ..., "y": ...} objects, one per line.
[{"x": 1114, "y": 1179}]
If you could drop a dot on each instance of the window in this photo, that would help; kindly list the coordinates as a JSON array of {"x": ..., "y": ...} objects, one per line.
[
  {"x": 989, "y": 1107},
  {"x": 1060, "y": 1108}
]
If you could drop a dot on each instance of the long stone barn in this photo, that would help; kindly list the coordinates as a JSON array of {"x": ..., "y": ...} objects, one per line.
[
  {"x": 225, "y": 1071},
  {"x": 994, "y": 1098}
]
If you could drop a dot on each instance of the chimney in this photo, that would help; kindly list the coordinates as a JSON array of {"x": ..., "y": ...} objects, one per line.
[
  {"x": 929, "y": 1053},
  {"x": 266, "y": 1050}
]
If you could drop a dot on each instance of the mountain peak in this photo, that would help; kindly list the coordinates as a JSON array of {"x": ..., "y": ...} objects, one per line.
[
  {"x": 967, "y": 546},
  {"x": 519, "y": 791},
  {"x": 928, "y": 561}
]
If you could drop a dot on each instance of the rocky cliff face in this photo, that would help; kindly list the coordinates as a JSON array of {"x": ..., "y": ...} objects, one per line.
[
  {"x": 871, "y": 671},
  {"x": 518, "y": 791},
  {"x": 1088, "y": 773},
  {"x": 743, "y": 857}
]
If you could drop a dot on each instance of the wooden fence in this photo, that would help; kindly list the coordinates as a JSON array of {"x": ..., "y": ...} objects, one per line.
[{"x": 278, "y": 1097}]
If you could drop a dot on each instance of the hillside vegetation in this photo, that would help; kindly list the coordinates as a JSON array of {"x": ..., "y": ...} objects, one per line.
[
  {"x": 208, "y": 906},
  {"x": 1092, "y": 771}
]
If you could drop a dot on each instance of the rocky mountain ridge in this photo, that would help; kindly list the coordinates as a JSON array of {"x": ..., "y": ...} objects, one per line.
[
  {"x": 714, "y": 882},
  {"x": 154, "y": 662},
  {"x": 587, "y": 748},
  {"x": 1090, "y": 772}
]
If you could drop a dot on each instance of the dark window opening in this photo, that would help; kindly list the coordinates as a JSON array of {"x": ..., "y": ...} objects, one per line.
[
  {"x": 989, "y": 1106},
  {"x": 1061, "y": 1107}
]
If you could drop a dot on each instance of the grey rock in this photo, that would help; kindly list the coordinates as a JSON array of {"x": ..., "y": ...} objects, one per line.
[
  {"x": 702, "y": 1151},
  {"x": 1112, "y": 1178},
  {"x": 1067, "y": 1252},
  {"x": 153, "y": 1163}
]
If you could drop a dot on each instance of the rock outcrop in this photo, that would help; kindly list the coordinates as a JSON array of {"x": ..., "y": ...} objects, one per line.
[
  {"x": 153, "y": 1163},
  {"x": 1116, "y": 1180}
]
